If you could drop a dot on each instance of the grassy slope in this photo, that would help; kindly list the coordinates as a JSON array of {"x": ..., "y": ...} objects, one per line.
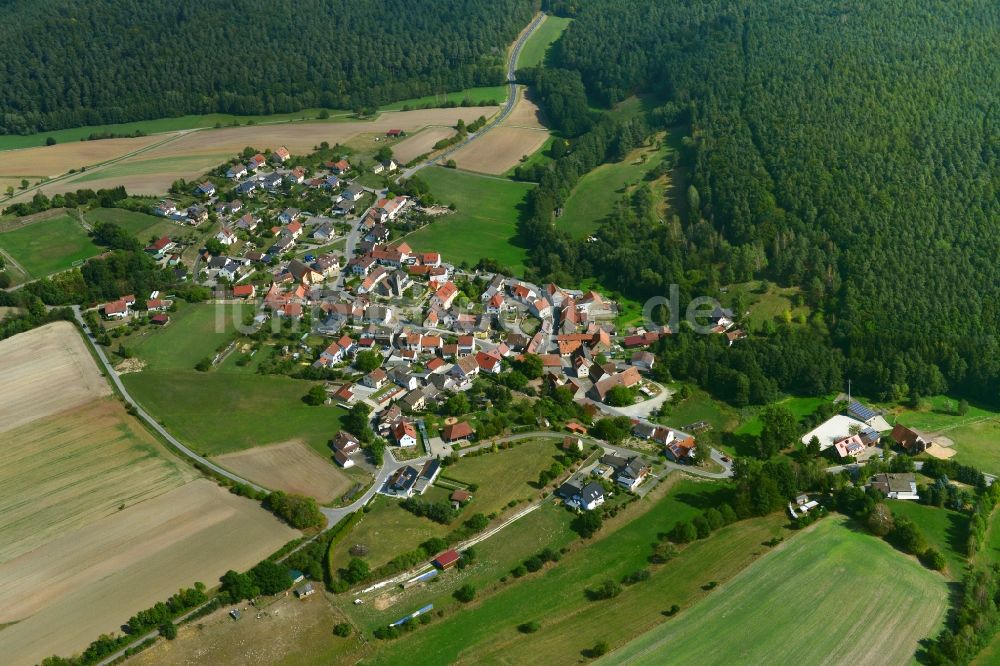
[
  {"x": 487, "y": 631},
  {"x": 534, "y": 50},
  {"x": 945, "y": 530},
  {"x": 597, "y": 192},
  {"x": 822, "y": 598},
  {"x": 485, "y": 224},
  {"x": 769, "y": 306},
  {"x": 800, "y": 407},
  {"x": 700, "y": 406},
  {"x": 49, "y": 246},
  {"x": 228, "y": 408},
  {"x": 140, "y": 225}
]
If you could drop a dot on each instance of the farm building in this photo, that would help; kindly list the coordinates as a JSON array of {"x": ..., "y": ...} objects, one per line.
[
  {"x": 457, "y": 431},
  {"x": 447, "y": 559},
  {"x": 833, "y": 430}
]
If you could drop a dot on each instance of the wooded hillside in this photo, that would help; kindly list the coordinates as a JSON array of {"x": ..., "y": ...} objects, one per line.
[{"x": 68, "y": 63}]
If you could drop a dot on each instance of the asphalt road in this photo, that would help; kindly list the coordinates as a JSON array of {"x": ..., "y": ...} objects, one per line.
[{"x": 508, "y": 107}]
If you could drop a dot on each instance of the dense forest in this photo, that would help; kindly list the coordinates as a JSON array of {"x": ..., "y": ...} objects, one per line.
[
  {"x": 852, "y": 150},
  {"x": 68, "y": 63}
]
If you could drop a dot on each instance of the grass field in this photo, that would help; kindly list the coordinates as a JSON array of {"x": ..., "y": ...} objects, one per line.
[
  {"x": 700, "y": 406},
  {"x": 773, "y": 305},
  {"x": 799, "y": 406},
  {"x": 486, "y": 631},
  {"x": 386, "y": 530},
  {"x": 945, "y": 530},
  {"x": 485, "y": 224},
  {"x": 140, "y": 225},
  {"x": 504, "y": 475},
  {"x": 534, "y": 50},
  {"x": 226, "y": 409},
  {"x": 830, "y": 596},
  {"x": 473, "y": 95},
  {"x": 49, "y": 246},
  {"x": 597, "y": 192}
]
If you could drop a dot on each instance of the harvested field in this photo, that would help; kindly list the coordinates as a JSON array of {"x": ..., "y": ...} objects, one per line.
[
  {"x": 289, "y": 466},
  {"x": 46, "y": 370},
  {"x": 192, "y": 153},
  {"x": 97, "y": 520},
  {"x": 831, "y": 596},
  {"x": 62, "y": 473},
  {"x": 301, "y": 137},
  {"x": 55, "y": 160},
  {"x": 500, "y": 150},
  {"x": 420, "y": 143},
  {"x": 91, "y": 580},
  {"x": 293, "y": 632},
  {"x": 525, "y": 114}
]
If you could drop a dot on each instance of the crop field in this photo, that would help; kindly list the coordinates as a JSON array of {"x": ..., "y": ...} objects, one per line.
[
  {"x": 830, "y": 596},
  {"x": 89, "y": 581},
  {"x": 534, "y": 50},
  {"x": 597, "y": 192},
  {"x": 45, "y": 371},
  {"x": 48, "y": 246},
  {"x": 486, "y": 630},
  {"x": 55, "y": 160},
  {"x": 290, "y": 466},
  {"x": 484, "y": 224},
  {"x": 500, "y": 150},
  {"x": 97, "y": 519},
  {"x": 163, "y": 159},
  {"x": 420, "y": 143}
]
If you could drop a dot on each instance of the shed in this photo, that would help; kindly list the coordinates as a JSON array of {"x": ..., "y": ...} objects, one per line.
[{"x": 447, "y": 559}]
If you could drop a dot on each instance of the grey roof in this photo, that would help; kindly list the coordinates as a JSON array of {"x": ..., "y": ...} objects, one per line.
[{"x": 591, "y": 492}]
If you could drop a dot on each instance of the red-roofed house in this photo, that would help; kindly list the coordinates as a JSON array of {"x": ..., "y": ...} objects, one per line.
[
  {"x": 457, "y": 431},
  {"x": 445, "y": 296},
  {"x": 244, "y": 291},
  {"x": 405, "y": 434}
]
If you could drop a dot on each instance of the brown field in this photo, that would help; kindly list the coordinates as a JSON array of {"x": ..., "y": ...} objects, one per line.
[
  {"x": 289, "y": 466},
  {"x": 525, "y": 114},
  {"x": 46, "y": 370},
  {"x": 500, "y": 150},
  {"x": 293, "y": 633},
  {"x": 55, "y": 160},
  {"x": 423, "y": 142},
  {"x": 97, "y": 519},
  {"x": 150, "y": 173},
  {"x": 89, "y": 581}
]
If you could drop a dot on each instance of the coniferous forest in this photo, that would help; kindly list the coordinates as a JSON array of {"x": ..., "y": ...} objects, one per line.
[
  {"x": 67, "y": 63},
  {"x": 850, "y": 149}
]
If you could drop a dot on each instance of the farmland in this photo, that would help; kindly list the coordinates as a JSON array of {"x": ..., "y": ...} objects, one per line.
[
  {"x": 420, "y": 143},
  {"x": 228, "y": 408},
  {"x": 485, "y": 223},
  {"x": 521, "y": 134},
  {"x": 290, "y": 466},
  {"x": 97, "y": 519},
  {"x": 48, "y": 246},
  {"x": 799, "y": 604},
  {"x": 486, "y": 631},
  {"x": 148, "y": 165}
]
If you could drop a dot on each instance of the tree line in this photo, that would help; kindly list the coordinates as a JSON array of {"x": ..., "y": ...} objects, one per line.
[{"x": 111, "y": 61}]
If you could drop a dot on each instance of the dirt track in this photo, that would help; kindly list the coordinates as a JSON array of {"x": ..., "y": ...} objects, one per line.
[{"x": 289, "y": 466}]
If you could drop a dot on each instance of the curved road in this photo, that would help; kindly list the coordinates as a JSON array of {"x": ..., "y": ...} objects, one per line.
[{"x": 508, "y": 107}]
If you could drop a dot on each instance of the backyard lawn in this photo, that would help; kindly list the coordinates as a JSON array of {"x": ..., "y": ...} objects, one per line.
[
  {"x": 484, "y": 224},
  {"x": 140, "y": 225},
  {"x": 49, "y": 246},
  {"x": 700, "y": 406},
  {"x": 830, "y": 595}
]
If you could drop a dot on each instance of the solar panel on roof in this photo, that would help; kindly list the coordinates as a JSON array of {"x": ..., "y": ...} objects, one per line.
[{"x": 862, "y": 412}]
